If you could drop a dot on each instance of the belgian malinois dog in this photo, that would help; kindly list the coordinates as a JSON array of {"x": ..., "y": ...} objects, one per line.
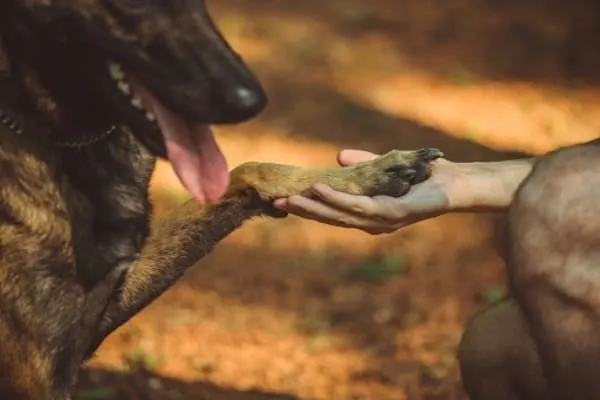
[{"x": 91, "y": 93}]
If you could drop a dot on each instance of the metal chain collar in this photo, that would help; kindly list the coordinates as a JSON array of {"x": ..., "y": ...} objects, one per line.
[{"x": 13, "y": 125}]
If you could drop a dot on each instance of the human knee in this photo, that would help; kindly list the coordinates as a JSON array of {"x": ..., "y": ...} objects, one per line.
[
  {"x": 482, "y": 348},
  {"x": 497, "y": 353}
]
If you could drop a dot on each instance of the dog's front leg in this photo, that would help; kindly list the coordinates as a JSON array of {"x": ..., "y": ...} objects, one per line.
[
  {"x": 190, "y": 232},
  {"x": 180, "y": 239}
]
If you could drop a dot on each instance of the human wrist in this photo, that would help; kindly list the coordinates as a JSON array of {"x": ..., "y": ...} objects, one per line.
[{"x": 488, "y": 186}]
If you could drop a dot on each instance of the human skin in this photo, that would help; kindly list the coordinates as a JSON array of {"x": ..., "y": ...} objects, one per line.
[{"x": 452, "y": 187}]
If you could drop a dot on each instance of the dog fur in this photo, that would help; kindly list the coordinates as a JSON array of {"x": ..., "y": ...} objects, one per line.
[{"x": 78, "y": 257}]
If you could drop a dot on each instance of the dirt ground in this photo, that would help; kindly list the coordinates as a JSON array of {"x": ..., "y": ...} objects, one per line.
[{"x": 291, "y": 309}]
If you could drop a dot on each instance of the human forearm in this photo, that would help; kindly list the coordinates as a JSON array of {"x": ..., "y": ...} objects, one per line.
[
  {"x": 452, "y": 187},
  {"x": 489, "y": 186}
]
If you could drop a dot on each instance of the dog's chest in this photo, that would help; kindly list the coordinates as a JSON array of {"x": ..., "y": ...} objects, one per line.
[{"x": 111, "y": 206}]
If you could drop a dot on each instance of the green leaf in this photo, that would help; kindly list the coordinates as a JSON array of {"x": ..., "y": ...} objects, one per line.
[
  {"x": 495, "y": 294},
  {"x": 379, "y": 269}
]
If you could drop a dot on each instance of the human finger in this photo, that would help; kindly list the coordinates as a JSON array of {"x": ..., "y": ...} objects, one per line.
[
  {"x": 324, "y": 213},
  {"x": 351, "y": 157},
  {"x": 361, "y": 205}
]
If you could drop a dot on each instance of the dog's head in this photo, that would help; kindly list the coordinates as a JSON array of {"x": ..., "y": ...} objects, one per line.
[{"x": 160, "y": 67}]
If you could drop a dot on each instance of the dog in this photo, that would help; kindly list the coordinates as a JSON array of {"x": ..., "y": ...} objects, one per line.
[{"x": 92, "y": 92}]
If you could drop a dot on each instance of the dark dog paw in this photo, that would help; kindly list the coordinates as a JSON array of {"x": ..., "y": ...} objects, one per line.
[{"x": 393, "y": 173}]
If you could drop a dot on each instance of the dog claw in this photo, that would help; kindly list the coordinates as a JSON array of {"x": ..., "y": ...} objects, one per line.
[{"x": 429, "y": 154}]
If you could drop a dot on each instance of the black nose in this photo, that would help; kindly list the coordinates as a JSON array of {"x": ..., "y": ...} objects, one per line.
[{"x": 242, "y": 103}]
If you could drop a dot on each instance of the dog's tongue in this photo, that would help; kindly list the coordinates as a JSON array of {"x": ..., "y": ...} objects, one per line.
[
  {"x": 191, "y": 149},
  {"x": 195, "y": 156}
]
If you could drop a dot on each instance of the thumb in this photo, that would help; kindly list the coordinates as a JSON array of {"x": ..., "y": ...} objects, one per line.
[{"x": 351, "y": 157}]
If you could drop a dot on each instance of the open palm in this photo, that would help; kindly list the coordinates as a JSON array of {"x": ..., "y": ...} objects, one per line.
[{"x": 380, "y": 214}]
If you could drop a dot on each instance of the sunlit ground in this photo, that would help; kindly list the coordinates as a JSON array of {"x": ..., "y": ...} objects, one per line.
[{"x": 305, "y": 311}]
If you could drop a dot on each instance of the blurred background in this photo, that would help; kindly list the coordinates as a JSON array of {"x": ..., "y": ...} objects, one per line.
[{"x": 290, "y": 309}]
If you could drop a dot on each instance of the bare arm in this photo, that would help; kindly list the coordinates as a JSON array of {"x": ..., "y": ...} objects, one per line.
[
  {"x": 453, "y": 187},
  {"x": 488, "y": 186}
]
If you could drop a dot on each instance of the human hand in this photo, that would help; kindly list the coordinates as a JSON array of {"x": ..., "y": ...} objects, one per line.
[{"x": 381, "y": 214}]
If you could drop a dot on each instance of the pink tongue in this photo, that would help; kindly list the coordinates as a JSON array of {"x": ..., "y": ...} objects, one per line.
[{"x": 192, "y": 151}]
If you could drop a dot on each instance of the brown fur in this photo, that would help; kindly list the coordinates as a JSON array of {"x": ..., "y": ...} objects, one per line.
[{"x": 77, "y": 258}]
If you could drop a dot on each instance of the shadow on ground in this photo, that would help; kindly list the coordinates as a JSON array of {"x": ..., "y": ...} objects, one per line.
[
  {"x": 541, "y": 41},
  {"x": 366, "y": 313},
  {"x": 320, "y": 113},
  {"x": 142, "y": 385}
]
